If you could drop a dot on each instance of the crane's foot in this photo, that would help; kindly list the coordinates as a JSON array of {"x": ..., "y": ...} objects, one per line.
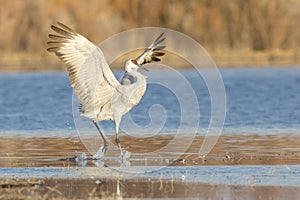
[
  {"x": 124, "y": 155},
  {"x": 124, "y": 159},
  {"x": 101, "y": 152}
]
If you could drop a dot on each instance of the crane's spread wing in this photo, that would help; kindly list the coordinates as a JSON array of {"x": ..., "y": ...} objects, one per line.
[
  {"x": 89, "y": 73},
  {"x": 152, "y": 53}
]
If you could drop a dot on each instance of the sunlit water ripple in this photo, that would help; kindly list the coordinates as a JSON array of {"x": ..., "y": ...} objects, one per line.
[{"x": 258, "y": 101}]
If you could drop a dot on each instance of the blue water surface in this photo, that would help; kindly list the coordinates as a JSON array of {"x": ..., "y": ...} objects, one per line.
[{"x": 264, "y": 100}]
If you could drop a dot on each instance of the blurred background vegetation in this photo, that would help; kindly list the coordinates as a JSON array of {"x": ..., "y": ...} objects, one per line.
[{"x": 234, "y": 32}]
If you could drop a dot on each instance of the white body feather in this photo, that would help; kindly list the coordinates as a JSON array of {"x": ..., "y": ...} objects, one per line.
[{"x": 101, "y": 96}]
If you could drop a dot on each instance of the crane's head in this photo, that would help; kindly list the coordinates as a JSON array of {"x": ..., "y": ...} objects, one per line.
[{"x": 132, "y": 65}]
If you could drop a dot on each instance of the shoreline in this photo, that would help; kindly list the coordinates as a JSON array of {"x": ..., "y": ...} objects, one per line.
[
  {"x": 176, "y": 183},
  {"x": 118, "y": 188},
  {"x": 22, "y": 62}
]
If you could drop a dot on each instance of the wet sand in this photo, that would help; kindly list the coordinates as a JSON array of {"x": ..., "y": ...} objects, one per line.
[
  {"x": 31, "y": 169},
  {"x": 254, "y": 149}
]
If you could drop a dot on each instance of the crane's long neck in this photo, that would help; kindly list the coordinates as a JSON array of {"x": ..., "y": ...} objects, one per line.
[
  {"x": 132, "y": 77},
  {"x": 139, "y": 77}
]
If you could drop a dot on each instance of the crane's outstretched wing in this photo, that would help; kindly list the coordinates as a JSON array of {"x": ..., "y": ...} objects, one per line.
[
  {"x": 152, "y": 53},
  {"x": 89, "y": 73}
]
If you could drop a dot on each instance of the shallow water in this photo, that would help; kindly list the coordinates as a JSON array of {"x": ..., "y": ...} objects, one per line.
[
  {"x": 257, "y": 155},
  {"x": 250, "y": 182},
  {"x": 95, "y": 187},
  {"x": 258, "y": 100},
  {"x": 229, "y": 150}
]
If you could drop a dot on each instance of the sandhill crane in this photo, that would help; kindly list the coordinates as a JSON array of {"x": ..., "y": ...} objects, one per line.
[{"x": 100, "y": 95}]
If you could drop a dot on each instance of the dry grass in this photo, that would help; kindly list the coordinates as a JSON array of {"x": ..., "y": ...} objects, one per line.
[
  {"x": 250, "y": 32},
  {"x": 244, "y": 58}
]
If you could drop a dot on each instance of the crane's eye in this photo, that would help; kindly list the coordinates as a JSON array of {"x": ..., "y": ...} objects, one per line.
[{"x": 134, "y": 61}]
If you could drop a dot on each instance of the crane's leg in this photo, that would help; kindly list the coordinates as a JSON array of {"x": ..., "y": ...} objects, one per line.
[
  {"x": 125, "y": 155},
  {"x": 117, "y": 137},
  {"x": 103, "y": 138}
]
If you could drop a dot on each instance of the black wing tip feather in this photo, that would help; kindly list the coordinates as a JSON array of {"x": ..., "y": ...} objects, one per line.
[
  {"x": 56, "y": 51},
  {"x": 160, "y": 35},
  {"x": 159, "y": 39},
  {"x": 155, "y": 59},
  {"x": 158, "y": 53},
  {"x": 159, "y": 48},
  {"x": 63, "y": 30},
  {"x": 153, "y": 51},
  {"x": 65, "y": 27},
  {"x": 61, "y": 35},
  {"x": 62, "y": 27},
  {"x": 53, "y": 49},
  {"x": 56, "y": 37}
]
